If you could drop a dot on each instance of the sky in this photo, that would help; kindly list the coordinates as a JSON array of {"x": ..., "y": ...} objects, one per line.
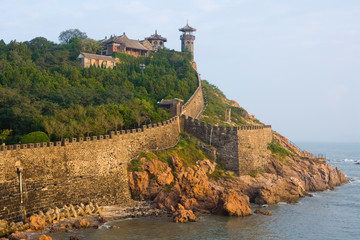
[{"x": 293, "y": 64}]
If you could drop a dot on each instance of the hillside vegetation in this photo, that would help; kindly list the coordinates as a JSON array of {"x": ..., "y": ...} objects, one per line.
[
  {"x": 216, "y": 105},
  {"x": 43, "y": 88}
]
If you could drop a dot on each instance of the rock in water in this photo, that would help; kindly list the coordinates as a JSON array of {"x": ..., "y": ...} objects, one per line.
[
  {"x": 17, "y": 236},
  {"x": 234, "y": 204},
  {"x": 183, "y": 216},
  {"x": 259, "y": 211},
  {"x": 44, "y": 237},
  {"x": 82, "y": 223}
]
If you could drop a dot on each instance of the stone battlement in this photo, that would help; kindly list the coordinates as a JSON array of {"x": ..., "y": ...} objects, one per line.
[
  {"x": 66, "y": 141},
  {"x": 195, "y": 105},
  {"x": 241, "y": 149}
]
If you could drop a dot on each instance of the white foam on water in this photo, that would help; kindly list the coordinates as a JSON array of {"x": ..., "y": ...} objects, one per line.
[{"x": 348, "y": 160}]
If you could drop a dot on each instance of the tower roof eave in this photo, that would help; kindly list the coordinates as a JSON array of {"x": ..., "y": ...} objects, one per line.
[{"x": 187, "y": 28}]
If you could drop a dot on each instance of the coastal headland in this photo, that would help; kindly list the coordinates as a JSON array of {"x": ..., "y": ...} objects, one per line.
[
  {"x": 41, "y": 176},
  {"x": 192, "y": 163}
]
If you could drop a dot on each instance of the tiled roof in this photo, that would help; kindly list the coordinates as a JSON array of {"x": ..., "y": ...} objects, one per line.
[
  {"x": 129, "y": 43},
  {"x": 157, "y": 37},
  {"x": 187, "y": 28},
  {"x": 97, "y": 56}
]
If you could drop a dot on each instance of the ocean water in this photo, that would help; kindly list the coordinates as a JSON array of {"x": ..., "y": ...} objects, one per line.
[{"x": 327, "y": 215}]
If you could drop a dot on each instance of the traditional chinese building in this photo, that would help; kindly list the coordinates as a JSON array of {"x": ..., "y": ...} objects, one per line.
[
  {"x": 89, "y": 59},
  {"x": 124, "y": 44},
  {"x": 156, "y": 41},
  {"x": 187, "y": 39}
]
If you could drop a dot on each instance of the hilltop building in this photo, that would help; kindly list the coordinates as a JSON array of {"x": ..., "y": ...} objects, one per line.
[
  {"x": 89, "y": 59},
  {"x": 124, "y": 44},
  {"x": 156, "y": 41},
  {"x": 187, "y": 39},
  {"x": 134, "y": 47}
]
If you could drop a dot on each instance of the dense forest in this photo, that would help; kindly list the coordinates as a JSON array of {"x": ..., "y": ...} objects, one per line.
[{"x": 43, "y": 88}]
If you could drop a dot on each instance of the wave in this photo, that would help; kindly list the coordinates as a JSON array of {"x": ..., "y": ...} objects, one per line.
[{"x": 355, "y": 180}]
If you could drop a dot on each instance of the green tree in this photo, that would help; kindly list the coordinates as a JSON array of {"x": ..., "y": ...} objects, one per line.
[
  {"x": 50, "y": 126},
  {"x": 4, "y": 134},
  {"x": 91, "y": 46},
  {"x": 67, "y": 35},
  {"x": 35, "y": 137}
]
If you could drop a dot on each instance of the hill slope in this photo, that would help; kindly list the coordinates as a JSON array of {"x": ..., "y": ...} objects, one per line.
[
  {"x": 217, "y": 106},
  {"x": 43, "y": 88}
]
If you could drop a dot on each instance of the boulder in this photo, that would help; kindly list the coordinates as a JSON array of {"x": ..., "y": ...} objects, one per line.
[
  {"x": 37, "y": 223},
  {"x": 259, "y": 211},
  {"x": 17, "y": 236},
  {"x": 206, "y": 166},
  {"x": 44, "y": 237},
  {"x": 233, "y": 204},
  {"x": 183, "y": 216},
  {"x": 138, "y": 183},
  {"x": 82, "y": 223},
  {"x": 176, "y": 164},
  {"x": 4, "y": 228}
]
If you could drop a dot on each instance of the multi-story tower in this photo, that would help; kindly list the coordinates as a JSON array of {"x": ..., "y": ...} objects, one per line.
[
  {"x": 156, "y": 41},
  {"x": 187, "y": 39}
]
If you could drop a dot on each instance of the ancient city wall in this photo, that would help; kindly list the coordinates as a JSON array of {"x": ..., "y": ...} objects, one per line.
[
  {"x": 252, "y": 147},
  {"x": 194, "y": 106},
  {"x": 76, "y": 171},
  {"x": 242, "y": 150}
]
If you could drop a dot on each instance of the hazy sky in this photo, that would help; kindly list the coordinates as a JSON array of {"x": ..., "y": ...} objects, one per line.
[{"x": 295, "y": 64}]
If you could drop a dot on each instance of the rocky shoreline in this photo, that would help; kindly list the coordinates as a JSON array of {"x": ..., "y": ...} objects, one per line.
[
  {"x": 172, "y": 189},
  {"x": 38, "y": 225},
  {"x": 175, "y": 187}
]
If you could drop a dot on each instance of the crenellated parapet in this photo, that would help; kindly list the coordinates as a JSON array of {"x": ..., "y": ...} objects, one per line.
[
  {"x": 241, "y": 149},
  {"x": 195, "y": 105},
  {"x": 111, "y": 135},
  {"x": 76, "y": 170}
]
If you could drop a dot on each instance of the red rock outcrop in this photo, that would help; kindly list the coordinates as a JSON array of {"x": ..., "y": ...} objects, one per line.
[
  {"x": 183, "y": 216},
  {"x": 187, "y": 187},
  {"x": 173, "y": 185},
  {"x": 37, "y": 222}
]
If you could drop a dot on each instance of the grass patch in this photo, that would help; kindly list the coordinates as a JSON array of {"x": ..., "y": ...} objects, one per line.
[
  {"x": 168, "y": 188},
  {"x": 217, "y": 104},
  {"x": 220, "y": 172},
  {"x": 278, "y": 151},
  {"x": 253, "y": 173},
  {"x": 186, "y": 150},
  {"x": 133, "y": 166},
  {"x": 148, "y": 155}
]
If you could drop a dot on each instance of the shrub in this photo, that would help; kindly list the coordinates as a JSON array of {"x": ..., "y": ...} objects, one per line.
[
  {"x": 35, "y": 137},
  {"x": 278, "y": 151}
]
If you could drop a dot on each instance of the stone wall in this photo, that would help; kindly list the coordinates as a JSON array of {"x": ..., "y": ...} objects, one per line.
[
  {"x": 194, "y": 106},
  {"x": 76, "y": 171},
  {"x": 252, "y": 147},
  {"x": 242, "y": 150}
]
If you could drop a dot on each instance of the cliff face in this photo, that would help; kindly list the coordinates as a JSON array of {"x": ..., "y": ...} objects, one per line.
[
  {"x": 284, "y": 180},
  {"x": 175, "y": 187}
]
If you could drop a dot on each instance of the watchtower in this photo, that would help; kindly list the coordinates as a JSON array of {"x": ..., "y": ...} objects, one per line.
[{"x": 187, "y": 39}]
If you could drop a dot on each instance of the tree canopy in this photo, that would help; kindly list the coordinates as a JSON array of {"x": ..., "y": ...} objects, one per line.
[
  {"x": 67, "y": 35},
  {"x": 43, "y": 88}
]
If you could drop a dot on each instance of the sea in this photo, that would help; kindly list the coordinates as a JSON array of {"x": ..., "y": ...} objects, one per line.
[{"x": 332, "y": 214}]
